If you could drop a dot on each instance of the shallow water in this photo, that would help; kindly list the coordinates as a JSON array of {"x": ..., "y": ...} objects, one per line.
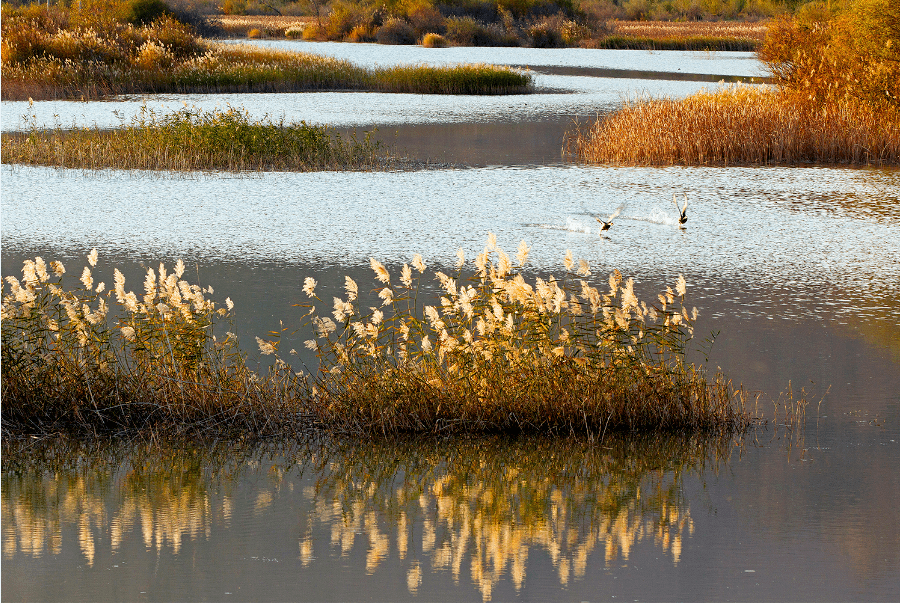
[{"x": 797, "y": 269}]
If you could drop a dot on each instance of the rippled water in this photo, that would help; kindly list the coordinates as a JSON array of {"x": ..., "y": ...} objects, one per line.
[{"x": 796, "y": 268}]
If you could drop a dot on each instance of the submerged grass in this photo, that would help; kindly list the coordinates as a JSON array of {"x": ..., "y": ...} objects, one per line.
[
  {"x": 191, "y": 140},
  {"x": 740, "y": 125},
  {"x": 494, "y": 354}
]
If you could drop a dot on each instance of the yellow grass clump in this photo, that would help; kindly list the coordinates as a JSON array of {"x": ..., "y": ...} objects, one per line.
[
  {"x": 192, "y": 140},
  {"x": 492, "y": 353},
  {"x": 740, "y": 125},
  {"x": 499, "y": 353}
]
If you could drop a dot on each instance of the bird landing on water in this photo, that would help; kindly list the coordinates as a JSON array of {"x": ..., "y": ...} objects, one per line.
[
  {"x": 607, "y": 223},
  {"x": 681, "y": 210}
]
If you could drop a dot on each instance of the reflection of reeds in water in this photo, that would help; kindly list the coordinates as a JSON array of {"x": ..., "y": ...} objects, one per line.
[
  {"x": 477, "y": 509},
  {"x": 489, "y": 505},
  {"x": 165, "y": 508}
]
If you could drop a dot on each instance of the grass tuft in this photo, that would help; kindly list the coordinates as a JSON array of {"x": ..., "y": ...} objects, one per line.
[
  {"x": 740, "y": 125},
  {"x": 191, "y": 140},
  {"x": 494, "y": 354}
]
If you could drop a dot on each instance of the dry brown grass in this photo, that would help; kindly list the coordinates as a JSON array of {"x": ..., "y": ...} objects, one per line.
[
  {"x": 275, "y": 25},
  {"x": 740, "y": 125},
  {"x": 677, "y": 29}
]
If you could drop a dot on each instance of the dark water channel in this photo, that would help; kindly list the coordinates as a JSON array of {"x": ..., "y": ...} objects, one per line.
[{"x": 796, "y": 269}]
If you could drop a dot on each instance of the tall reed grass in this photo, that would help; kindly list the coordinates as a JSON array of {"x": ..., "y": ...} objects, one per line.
[
  {"x": 42, "y": 59},
  {"x": 101, "y": 360},
  {"x": 740, "y": 125},
  {"x": 836, "y": 100},
  {"x": 499, "y": 353},
  {"x": 494, "y": 354},
  {"x": 193, "y": 140}
]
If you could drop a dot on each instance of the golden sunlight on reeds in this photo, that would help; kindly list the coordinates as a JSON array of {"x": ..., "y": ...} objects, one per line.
[
  {"x": 741, "y": 125},
  {"x": 499, "y": 353},
  {"x": 681, "y": 29},
  {"x": 491, "y": 353}
]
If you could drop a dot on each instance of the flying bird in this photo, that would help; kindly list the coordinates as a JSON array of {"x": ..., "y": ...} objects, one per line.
[
  {"x": 607, "y": 223},
  {"x": 681, "y": 210}
]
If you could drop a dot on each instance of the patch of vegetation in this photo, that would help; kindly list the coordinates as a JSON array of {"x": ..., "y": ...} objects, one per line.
[
  {"x": 193, "y": 140},
  {"x": 51, "y": 53},
  {"x": 494, "y": 354},
  {"x": 836, "y": 100}
]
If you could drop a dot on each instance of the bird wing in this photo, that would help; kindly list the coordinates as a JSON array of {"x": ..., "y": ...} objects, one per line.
[
  {"x": 675, "y": 201},
  {"x": 616, "y": 213},
  {"x": 684, "y": 209}
]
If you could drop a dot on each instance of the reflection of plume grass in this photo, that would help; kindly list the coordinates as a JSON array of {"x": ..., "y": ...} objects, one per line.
[
  {"x": 191, "y": 139},
  {"x": 498, "y": 353},
  {"x": 101, "y": 359}
]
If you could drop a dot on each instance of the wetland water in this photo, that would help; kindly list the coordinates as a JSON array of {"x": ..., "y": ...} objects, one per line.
[{"x": 796, "y": 268}]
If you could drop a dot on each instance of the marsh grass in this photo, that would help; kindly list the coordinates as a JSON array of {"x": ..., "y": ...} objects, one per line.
[
  {"x": 710, "y": 43},
  {"x": 99, "y": 360},
  {"x": 740, "y": 125},
  {"x": 494, "y": 354},
  {"x": 40, "y": 62},
  {"x": 677, "y": 35},
  {"x": 192, "y": 140},
  {"x": 836, "y": 100},
  {"x": 500, "y": 354}
]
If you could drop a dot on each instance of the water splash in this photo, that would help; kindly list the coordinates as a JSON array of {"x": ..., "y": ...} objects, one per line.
[{"x": 657, "y": 216}]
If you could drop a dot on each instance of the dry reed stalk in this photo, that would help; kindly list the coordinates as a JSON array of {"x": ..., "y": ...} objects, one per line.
[
  {"x": 282, "y": 22},
  {"x": 676, "y": 29},
  {"x": 741, "y": 125}
]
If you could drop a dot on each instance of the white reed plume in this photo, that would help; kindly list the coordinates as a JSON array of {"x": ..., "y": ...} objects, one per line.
[
  {"x": 92, "y": 257},
  {"x": 351, "y": 288},
  {"x": 309, "y": 286},
  {"x": 266, "y": 347},
  {"x": 522, "y": 253},
  {"x": 381, "y": 272},
  {"x": 460, "y": 257},
  {"x": 406, "y": 276},
  {"x": 504, "y": 266},
  {"x": 41, "y": 269},
  {"x": 86, "y": 279},
  {"x": 418, "y": 264}
]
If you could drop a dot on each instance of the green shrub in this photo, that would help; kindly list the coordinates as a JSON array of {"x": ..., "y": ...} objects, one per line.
[{"x": 144, "y": 12}]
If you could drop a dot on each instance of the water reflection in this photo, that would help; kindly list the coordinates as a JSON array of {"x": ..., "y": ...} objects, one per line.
[
  {"x": 476, "y": 511},
  {"x": 489, "y": 505}
]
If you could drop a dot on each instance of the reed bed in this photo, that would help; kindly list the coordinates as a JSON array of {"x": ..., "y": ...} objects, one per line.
[
  {"x": 40, "y": 62},
  {"x": 708, "y": 43},
  {"x": 734, "y": 30},
  {"x": 194, "y": 140},
  {"x": 495, "y": 354},
  {"x": 103, "y": 361},
  {"x": 740, "y": 125},
  {"x": 498, "y": 353}
]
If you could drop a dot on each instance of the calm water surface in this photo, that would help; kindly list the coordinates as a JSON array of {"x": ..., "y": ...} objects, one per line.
[{"x": 797, "y": 269}]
